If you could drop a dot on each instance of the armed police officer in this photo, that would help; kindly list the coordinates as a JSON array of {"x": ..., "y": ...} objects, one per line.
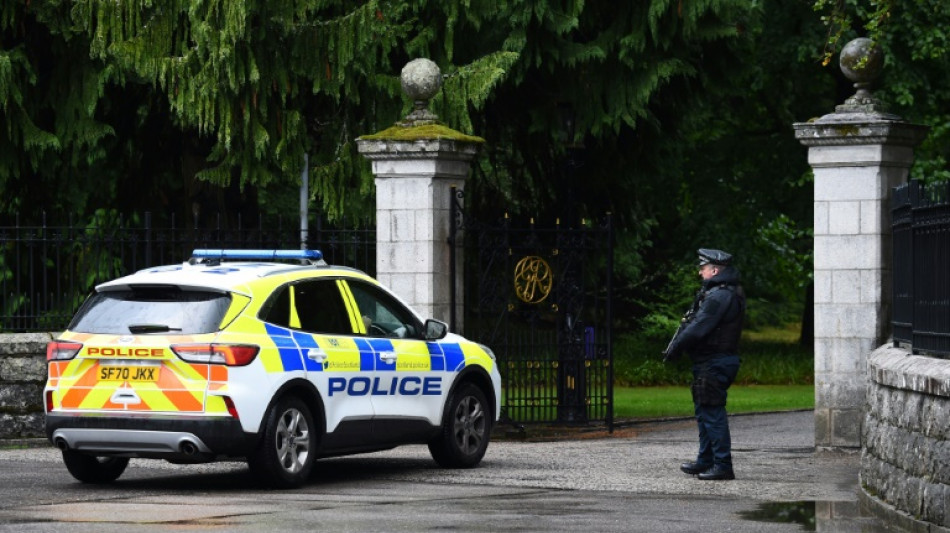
[{"x": 710, "y": 335}]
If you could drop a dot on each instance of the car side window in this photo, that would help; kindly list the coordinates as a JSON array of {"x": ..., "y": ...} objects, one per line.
[
  {"x": 320, "y": 307},
  {"x": 277, "y": 308},
  {"x": 315, "y": 306},
  {"x": 382, "y": 314}
]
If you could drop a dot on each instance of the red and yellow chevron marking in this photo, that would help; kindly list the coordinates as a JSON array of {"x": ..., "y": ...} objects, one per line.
[
  {"x": 56, "y": 369},
  {"x": 172, "y": 392},
  {"x": 179, "y": 386}
]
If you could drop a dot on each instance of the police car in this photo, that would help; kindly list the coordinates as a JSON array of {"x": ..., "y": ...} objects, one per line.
[{"x": 235, "y": 354}]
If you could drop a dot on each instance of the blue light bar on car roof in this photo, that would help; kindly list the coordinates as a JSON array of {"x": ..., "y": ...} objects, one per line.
[{"x": 256, "y": 255}]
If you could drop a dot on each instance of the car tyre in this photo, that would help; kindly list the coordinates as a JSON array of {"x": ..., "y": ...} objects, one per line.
[
  {"x": 92, "y": 469},
  {"x": 466, "y": 429},
  {"x": 285, "y": 455}
]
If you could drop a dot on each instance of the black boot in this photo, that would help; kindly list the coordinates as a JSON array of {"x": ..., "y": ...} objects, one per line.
[
  {"x": 717, "y": 472},
  {"x": 693, "y": 469}
]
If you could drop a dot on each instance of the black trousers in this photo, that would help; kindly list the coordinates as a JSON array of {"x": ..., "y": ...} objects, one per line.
[{"x": 711, "y": 381}]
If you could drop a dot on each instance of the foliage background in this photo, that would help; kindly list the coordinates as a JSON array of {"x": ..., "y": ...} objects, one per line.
[{"x": 673, "y": 115}]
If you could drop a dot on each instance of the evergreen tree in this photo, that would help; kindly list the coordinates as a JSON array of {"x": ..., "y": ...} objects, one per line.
[
  {"x": 249, "y": 87},
  {"x": 51, "y": 141},
  {"x": 674, "y": 115}
]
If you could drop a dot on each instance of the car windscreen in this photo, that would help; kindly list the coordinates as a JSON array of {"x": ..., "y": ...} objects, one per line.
[{"x": 154, "y": 309}]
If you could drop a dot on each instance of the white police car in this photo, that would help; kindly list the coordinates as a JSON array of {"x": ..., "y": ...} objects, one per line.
[{"x": 273, "y": 362}]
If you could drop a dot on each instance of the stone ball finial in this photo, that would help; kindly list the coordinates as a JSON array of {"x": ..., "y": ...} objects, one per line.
[
  {"x": 421, "y": 79},
  {"x": 861, "y": 61}
]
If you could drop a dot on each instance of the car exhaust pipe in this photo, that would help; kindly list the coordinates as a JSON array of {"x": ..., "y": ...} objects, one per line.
[
  {"x": 188, "y": 448},
  {"x": 62, "y": 444}
]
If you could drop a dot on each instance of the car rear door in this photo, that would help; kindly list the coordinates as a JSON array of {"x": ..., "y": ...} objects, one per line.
[{"x": 321, "y": 328}]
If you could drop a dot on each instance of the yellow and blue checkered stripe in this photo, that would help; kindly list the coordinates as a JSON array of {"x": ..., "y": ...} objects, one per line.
[{"x": 293, "y": 346}]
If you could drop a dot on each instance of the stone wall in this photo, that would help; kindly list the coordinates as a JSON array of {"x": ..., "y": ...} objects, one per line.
[
  {"x": 905, "y": 461},
  {"x": 22, "y": 375}
]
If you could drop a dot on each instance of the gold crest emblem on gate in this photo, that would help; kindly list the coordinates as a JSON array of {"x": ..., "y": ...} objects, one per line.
[{"x": 533, "y": 279}]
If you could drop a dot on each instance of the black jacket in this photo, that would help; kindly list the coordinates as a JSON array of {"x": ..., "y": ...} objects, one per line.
[{"x": 717, "y": 322}]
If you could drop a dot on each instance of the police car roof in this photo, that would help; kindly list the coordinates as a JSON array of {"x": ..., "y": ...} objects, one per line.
[{"x": 217, "y": 275}]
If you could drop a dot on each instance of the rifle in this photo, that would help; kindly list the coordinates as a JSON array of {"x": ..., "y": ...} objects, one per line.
[{"x": 687, "y": 318}]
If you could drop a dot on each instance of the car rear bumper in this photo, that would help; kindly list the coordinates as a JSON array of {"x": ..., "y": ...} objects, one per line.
[{"x": 161, "y": 437}]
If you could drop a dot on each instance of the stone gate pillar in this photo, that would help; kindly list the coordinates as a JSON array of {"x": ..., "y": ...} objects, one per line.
[
  {"x": 416, "y": 163},
  {"x": 858, "y": 154}
]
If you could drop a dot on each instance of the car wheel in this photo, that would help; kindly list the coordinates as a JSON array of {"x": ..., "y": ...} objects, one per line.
[
  {"x": 285, "y": 456},
  {"x": 92, "y": 469},
  {"x": 466, "y": 428}
]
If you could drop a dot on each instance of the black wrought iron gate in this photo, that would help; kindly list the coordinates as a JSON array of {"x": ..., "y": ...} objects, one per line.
[{"x": 539, "y": 297}]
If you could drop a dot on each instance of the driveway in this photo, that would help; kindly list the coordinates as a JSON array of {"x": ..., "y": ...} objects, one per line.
[{"x": 625, "y": 481}]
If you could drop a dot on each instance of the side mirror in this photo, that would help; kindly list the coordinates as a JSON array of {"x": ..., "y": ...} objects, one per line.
[{"x": 436, "y": 329}]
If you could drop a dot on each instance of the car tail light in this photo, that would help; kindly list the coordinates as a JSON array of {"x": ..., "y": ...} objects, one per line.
[
  {"x": 62, "y": 351},
  {"x": 49, "y": 401},
  {"x": 221, "y": 354},
  {"x": 232, "y": 410}
]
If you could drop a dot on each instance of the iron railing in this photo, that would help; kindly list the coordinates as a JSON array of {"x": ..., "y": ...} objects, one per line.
[
  {"x": 920, "y": 215},
  {"x": 540, "y": 298},
  {"x": 47, "y": 269}
]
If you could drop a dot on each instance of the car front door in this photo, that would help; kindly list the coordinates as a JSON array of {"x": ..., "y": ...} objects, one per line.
[{"x": 411, "y": 382}]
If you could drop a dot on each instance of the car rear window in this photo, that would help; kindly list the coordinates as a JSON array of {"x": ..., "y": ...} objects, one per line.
[{"x": 158, "y": 310}]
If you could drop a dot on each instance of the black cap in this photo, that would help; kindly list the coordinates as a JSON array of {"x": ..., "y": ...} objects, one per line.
[{"x": 715, "y": 257}]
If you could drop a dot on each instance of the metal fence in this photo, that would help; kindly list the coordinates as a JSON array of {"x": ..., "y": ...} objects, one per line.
[
  {"x": 540, "y": 297},
  {"x": 47, "y": 270},
  {"x": 921, "y": 255}
]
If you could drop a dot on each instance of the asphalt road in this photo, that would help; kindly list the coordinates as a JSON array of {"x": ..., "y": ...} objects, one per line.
[{"x": 627, "y": 481}]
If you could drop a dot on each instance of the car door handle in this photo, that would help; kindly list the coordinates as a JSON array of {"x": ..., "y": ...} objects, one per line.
[
  {"x": 317, "y": 355},
  {"x": 387, "y": 357}
]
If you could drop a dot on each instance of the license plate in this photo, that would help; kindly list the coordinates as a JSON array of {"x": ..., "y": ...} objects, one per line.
[{"x": 128, "y": 373}]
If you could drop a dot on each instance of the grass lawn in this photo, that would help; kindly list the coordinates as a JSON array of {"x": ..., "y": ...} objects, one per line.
[
  {"x": 675, "y": 401},
  {"x": 776, "y": 374},
  {"x": 770, "y": 356}
]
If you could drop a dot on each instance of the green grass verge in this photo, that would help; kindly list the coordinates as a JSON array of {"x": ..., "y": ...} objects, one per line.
[
  {"x": 661, "y": 402},
  {"x": 770, "y": 356},
  {"x": 776, "y": 374}
]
